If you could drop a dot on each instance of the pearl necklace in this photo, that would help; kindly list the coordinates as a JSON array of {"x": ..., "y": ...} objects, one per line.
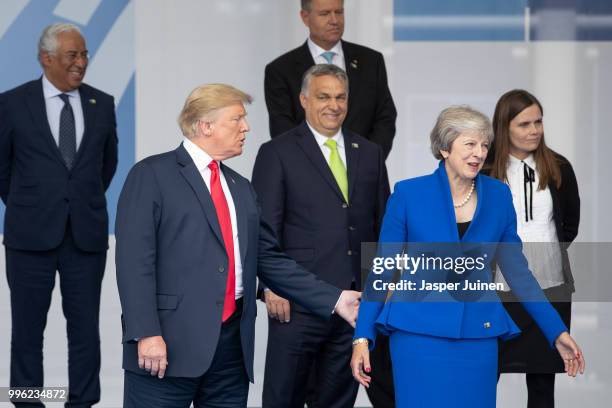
[{"x": 467, "y": 198}]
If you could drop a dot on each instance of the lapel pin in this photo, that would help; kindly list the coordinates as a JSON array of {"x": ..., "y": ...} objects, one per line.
[
  {"x": 355, "y": 145},
  {"x": 92, "y": 101},
  {"x": 233, "y": 181},
  {"x": 354, "y": 63}
]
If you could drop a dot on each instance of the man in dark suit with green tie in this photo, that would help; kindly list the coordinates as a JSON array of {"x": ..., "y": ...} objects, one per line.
[{"x": 323, "y": 189}]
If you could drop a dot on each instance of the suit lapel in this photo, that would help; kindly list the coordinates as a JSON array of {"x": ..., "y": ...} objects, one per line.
[
  {"x": 353, "y": 71},
  {"x": 304, "y": 59},
  {"x": 450, "y": 210},
  {"x": 447, "y": 197},
  {"x": 89, "y": 117},
  {"x": 194, "y": 179},
  {"x": 241, "y": 218},
  {"x": 36, "y": 104},
  {"x": 308, "y": 144},
  {"x": 351, "y": 149},
  {"x": 482, "y": 196}
]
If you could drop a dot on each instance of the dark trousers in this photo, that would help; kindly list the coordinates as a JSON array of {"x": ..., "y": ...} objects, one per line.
[
  {"x": 31, "y": 278},
  {"x": 224, "y": 385},
  {"x": 380, "y": 392},
  {"x": 540, "y": 390},
  {"x": 294, "y": 348}
]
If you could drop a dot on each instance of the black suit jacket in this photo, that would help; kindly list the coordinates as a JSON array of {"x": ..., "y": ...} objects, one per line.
[
  {"x": 172, "y": 264},
  {"x": 302, "y": 202},
  {"x": 39, "y": 191},
  {"x": 371, "y": 112},
  {"x": 566, "y": 213}
]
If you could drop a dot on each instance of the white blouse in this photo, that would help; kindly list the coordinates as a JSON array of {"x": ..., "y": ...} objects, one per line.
[{"x": 535, "y": 223}]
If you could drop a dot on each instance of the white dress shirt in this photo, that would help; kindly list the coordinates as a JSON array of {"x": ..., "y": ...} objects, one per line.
[
  {"x": 202, "y": 160},
  {"x": 316, "y": 51},
  {"x": 338, "y": 137},
  {"x": 54, "y": 106},
  {"x": 545, "y": 258}
]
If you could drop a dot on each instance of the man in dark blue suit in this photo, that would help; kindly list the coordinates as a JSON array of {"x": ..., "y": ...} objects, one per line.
[
  {"x": 323, "y": 189},
  {"x": 190, "y": 244},
  {"x": 58, "y": 155}
]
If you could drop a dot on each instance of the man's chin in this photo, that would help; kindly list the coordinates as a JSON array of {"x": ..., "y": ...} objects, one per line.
[
  {"x": 75, "y": 84},
  {"x": 333, "y": 127},
  {"x": 335, "y": 38}
]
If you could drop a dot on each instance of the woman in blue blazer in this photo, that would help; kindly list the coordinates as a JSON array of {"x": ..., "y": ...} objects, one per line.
[{"x": 444, "y": 353}]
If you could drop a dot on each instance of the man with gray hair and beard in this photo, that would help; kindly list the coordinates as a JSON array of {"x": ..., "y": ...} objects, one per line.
[{"x": 58, "y": 155}]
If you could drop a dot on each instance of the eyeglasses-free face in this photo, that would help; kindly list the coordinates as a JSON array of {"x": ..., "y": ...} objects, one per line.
[{"x": 66, "y": 66}]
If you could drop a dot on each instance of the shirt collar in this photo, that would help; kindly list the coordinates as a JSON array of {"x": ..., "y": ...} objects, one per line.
[
  {"x": 529, "y": 160},
  {"x": 316, "y": 50},
  {"x": 50, "y": 91},
  {"x": 321, "y": 139},
  {"x": 199, "y": 156}
]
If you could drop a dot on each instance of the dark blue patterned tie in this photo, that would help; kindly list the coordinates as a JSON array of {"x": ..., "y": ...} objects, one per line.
[{"x": 67, "y": 133}]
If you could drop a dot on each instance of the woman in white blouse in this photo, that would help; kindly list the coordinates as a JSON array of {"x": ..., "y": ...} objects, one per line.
[{"x": 547, "y": 204}]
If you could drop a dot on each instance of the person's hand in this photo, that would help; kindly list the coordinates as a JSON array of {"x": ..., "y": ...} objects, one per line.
[
  {"x": 348, "y": 306},
  {"x": 278, "y": 307},
  {"x": 152, "y": 355},
  {"x": 571, "y": 354},
  {"x": 360, "y": 364}
]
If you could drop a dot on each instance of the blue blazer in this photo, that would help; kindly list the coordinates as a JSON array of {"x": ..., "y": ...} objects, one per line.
[
  {"x": 420, "y": 210},
  {"x": 39, "y": 191},
  {"x": 172, "y": 264}
]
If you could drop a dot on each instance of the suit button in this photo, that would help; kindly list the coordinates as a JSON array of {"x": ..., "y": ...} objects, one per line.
[
  {"x": 221, "y": 269},
  {"x": 344, "y": 205},
  {"x": 351, "y": 228},
  {"x": 487, "y": 325},
  {"x": 349, "y": 252},
  {"x": 219, "y": 303}
]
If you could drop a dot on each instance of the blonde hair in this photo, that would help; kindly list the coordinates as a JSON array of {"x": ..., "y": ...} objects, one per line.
[{"x": 204, "y": 101}]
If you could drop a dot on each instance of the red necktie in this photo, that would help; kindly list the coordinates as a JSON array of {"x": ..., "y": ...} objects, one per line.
[{"x": 223, "y": 215}]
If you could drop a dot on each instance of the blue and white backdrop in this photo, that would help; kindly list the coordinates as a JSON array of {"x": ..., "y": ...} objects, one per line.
[{"x": 150, "y": 53}]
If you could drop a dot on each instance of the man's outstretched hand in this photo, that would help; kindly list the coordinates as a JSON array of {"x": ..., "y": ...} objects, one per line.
[{"x": 348, "y": 306}]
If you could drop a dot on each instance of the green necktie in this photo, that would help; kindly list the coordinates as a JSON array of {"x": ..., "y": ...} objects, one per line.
[{"x": 337, "y": 168}]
